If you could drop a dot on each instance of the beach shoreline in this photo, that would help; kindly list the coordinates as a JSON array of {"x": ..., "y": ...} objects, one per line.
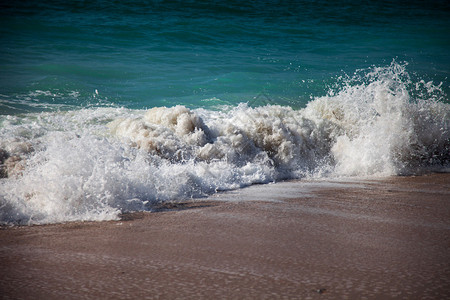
[{"x": 355, "y": 239}]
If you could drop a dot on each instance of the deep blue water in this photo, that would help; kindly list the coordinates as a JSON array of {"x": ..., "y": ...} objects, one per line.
[{"x": 141, "y": 54}]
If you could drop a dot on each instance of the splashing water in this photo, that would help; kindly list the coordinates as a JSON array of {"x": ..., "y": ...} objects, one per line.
[{"x": 93, "y": 164}]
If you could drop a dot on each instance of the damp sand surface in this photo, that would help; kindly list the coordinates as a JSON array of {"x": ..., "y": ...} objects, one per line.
[{"x": 342, "y": 239}]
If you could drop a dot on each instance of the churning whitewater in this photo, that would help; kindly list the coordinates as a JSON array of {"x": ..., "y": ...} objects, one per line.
[{"x": 93, "y": 164}]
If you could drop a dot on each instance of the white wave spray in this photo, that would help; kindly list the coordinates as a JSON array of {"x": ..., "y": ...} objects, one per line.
[{"x": 94, "y": 164}]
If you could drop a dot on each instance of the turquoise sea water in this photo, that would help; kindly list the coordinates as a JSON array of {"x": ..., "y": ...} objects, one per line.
[
  {"x": 112, "y": 106},
  {"x": 141, "y": 54}
]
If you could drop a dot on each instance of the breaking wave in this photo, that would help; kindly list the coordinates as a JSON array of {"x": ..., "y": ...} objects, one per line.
[{"x": 93, "y": 164}]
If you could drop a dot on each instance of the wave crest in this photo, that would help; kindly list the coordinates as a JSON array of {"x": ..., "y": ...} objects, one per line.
[{"x": 95, "y": 163}]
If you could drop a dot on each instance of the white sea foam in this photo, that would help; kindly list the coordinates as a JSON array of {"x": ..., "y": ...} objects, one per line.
[{"x": 93, "y": 164}]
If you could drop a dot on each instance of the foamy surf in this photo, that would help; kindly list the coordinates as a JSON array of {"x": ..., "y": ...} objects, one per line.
[{"x": 93, "y": 164}]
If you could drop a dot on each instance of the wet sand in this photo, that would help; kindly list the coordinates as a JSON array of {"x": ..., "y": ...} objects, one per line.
[{"x": 387, "y": 239}]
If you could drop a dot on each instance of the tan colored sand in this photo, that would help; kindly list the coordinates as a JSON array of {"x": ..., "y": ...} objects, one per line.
[{"x": 373, "y": 239}]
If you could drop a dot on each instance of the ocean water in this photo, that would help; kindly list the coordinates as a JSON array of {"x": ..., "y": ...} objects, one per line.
[{"x": 114, "y": 106}]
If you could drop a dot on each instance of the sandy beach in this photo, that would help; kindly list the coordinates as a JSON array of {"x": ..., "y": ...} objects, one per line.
[{"x": 383, "y": 239}]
